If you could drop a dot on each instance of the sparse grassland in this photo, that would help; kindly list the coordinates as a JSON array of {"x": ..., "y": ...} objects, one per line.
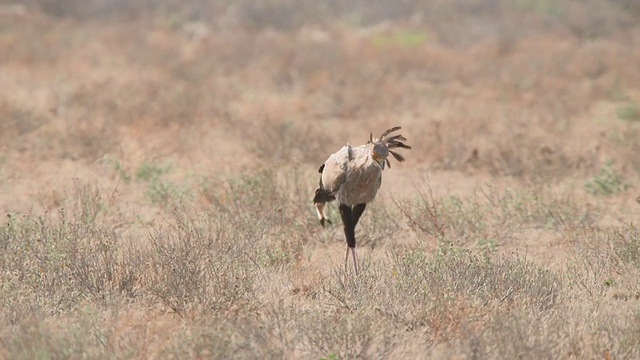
[{"x": 158, "y": 159}]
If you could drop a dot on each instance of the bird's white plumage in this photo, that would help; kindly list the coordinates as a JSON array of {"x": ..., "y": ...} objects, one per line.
[{"x": 352, "y": 175}]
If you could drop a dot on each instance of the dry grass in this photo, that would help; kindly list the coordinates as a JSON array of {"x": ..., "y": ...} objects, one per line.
[{"x": 157, "y": 161}]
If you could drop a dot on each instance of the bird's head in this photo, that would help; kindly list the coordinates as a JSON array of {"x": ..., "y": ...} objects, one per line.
[
  {"x": 381, "y": 146},
  {"x": 379, "y": 153}
]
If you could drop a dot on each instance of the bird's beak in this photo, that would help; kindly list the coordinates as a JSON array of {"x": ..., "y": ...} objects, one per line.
[{"x": 378, "y": 159}]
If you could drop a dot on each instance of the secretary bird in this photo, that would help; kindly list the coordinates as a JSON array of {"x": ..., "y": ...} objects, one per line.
[{"x": 353, "y": 176}]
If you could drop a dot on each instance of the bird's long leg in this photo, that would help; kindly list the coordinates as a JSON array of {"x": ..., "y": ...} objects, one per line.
[
  {"x": 349, "y": 231},
  {"x": 346, "y": 258},
  {"x": 347, "y": 221},
  {"x": 355, "y": 259},
  {"x": 357, "y": 213}
]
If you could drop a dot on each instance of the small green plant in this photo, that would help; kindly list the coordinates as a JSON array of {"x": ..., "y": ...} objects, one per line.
[
  {"x": 608, "y": 282},
  {"x": 330, "y": 356},
  {"x": 90, "y": 205},
  {"x": 487, "y": 246},
  {"x": 541, "y": 7},
  {"x": 628, "y": 112},
  {"x": 607, "y": 181},
  {"x": 148, "y": 171},
  {"x": 402, "y": 37},
  {"x": 117, "y": 166},
  {"x": 162, "y": 191},
  {"x": 159, "y": 190}
]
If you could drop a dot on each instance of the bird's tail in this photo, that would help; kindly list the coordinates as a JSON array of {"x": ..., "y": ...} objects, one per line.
[{"x": 321, "y": 198}]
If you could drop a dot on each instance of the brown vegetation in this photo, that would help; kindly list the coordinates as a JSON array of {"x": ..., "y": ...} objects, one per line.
[{"x": 158, "y": 159}]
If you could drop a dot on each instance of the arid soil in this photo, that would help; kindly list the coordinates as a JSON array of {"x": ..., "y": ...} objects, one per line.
[{"x": 157, "y": 164}]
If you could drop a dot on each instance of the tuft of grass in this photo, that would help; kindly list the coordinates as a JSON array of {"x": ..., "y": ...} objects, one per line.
[
  {"x": 201, "y": 266},
  {"x": 330, "y": 356},
  {"x": 231, "y": 337},
  {"x": 263, "y": 199},
  {"x": 166, "y": 192},
  {"x": 162, "y": 191},
  {"x": 460, "y": 274},
  {"x": 17, "y": 121},
  {"x": 628, "y": 112},
  {"x": 489, "y": 217},
  {"x": 607, "y": 181},
  {"x": 149, "y": 171},
  {"x": 117, "y": 166},
  {"x": 53, "y": 263},
  {"x": 400, "y": 37},
  {"x": 289, "y": 142},
  {"x": 542, "y": 7}
]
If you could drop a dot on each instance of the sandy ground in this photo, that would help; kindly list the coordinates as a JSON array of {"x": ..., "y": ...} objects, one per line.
[{"x": 87, "y": 97}]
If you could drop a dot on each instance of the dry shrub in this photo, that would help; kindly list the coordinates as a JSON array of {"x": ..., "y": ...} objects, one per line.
[
  {"x": 486, "y": 18},
  {"x": 609, "y": 257},
  {"x": 347, "y": 335},
  {"x": 417, "y": 295},
  {"x": 228, "y": 338},
  {"x": 456, "y": 282},
  {"x": 201, "y": 266},
  {"x": 270, "y": 202},
  {"x": 260, "y": 195},
  {"x": 288, "y": 143},
  {"x": 212, "y": 269},
  {"x": 378, "y": 227},
  {"x": 349, "y": 324},
  {"x": 17, "y": 122},
  {"x": 491, "y": 215},
  {"x": 584, "y": 323},
  {"x": 53, "y": 263},
  {"x": 512, "y": 97},
  {"x": 43, "y": 335}
]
